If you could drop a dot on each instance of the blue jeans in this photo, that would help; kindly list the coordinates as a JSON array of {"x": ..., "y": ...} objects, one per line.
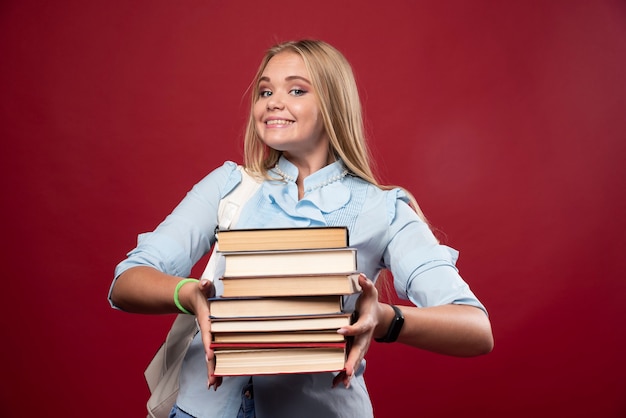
[
  {"x": 246, "y": 410},
  {"x": 176, "y": 412}
]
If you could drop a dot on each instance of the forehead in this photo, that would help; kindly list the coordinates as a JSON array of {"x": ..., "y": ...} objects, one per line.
[{"x": 285, "y": 64}]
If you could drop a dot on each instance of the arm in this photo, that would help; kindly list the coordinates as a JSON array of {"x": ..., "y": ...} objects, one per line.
[
  {"x": 456, "y": 330},
  {"x": 174, "y": 246},
  {"x": 146, "y": 281},
  {"x": 446, "y": 317},
  {"x": 148, "y": 291}
]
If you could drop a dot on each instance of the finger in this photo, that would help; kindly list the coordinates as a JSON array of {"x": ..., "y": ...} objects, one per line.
[
  {"x": 207, "y": 288},
  {"x": 353, "y": 330},
  {"x": 343, "y": 378},
  {"x": 204, "y": 323},
  {"x": 214, "y": 381},
  {"x": 368, "y": 288},
  {"x": 354, "y": 358},
  {"x": 364, "y": 324}
]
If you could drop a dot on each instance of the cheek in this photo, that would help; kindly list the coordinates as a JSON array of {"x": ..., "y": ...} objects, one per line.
[
  {"x": 309, "y": 114},
  {"x": 319, "y": 122},
  {"x": 257, "y": 116},
  {"x": 257, "y": 110}
]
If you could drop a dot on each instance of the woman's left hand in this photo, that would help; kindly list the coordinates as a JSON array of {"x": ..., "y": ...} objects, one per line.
[{"x": 369, "y": 310}]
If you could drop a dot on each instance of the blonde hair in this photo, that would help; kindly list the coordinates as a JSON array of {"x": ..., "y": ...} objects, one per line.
[{"x": 340, "y": 106}]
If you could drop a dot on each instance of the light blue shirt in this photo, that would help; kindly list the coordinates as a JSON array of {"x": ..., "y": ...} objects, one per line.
[{"x": 383, "y": 228}]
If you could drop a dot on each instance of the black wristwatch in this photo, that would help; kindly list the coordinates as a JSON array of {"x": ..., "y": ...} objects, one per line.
[{"x": 394, "y": 327}]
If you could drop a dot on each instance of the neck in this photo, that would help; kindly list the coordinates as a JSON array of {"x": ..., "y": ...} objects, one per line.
[{"x": 307, "y": 166}]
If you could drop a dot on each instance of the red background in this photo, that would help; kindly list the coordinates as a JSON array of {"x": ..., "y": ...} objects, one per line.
[{"x": 506, "y": 120}]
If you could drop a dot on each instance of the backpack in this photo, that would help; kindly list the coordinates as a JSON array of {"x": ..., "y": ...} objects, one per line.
[{"x": 162, "y": 374}]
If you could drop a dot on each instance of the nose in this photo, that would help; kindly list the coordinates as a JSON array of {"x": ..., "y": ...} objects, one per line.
[{"x": 274, "y": 102}]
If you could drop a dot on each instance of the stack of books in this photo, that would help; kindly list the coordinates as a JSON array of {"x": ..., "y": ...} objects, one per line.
[{"x": 283, "y": 300}]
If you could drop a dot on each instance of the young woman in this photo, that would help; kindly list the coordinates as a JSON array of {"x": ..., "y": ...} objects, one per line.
[{"x": 305, "y": 142}]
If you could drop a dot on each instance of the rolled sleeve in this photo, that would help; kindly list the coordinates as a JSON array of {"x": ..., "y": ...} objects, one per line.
[
  {"x": 160, "y": 252},
  {"x": 424, "y": 271},
  {"x": 187, "y": 233}
]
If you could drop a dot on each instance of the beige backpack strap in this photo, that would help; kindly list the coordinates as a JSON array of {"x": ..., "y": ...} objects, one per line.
[
  {"x": 228, "y": 212},
  {"x": 163, "y": 371},
  {"x": 230, "y": 206}
]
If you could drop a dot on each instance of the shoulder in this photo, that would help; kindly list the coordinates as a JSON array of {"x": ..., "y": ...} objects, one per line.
[
  {"x": 221, "y": 180},
  {"x": 388, "y": 204}
]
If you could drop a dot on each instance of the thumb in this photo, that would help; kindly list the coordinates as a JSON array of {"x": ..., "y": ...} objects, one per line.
[{"x": 207, "y": 288}]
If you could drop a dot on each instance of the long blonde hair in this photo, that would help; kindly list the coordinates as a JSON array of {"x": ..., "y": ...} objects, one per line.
[{"x": 335, "y": 86}]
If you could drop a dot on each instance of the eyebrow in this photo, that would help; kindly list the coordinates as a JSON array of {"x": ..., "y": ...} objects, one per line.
[{"x": 289, "y": 78}]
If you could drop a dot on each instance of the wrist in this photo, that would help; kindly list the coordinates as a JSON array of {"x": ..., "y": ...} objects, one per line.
[
  {"x": 391, "y": 325},
  {"x": 182, "y": 295},
  {"x": 385, "y": 316}
]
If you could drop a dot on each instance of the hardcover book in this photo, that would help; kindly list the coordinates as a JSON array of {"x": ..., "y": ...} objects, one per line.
[
  {"x": 275, "y": 306},
  {"x": 278, "y": 337},
  {"x": 272, "y": 324},
  {"x": 234, "y": 360},
  {"x": 282, "y": 238},
  {"x": 289, "y": 262},
  {"x": 291, "y": 285}
]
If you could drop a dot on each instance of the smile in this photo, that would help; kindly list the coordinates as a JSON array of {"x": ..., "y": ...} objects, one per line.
[{"x": 278, "y": 122}]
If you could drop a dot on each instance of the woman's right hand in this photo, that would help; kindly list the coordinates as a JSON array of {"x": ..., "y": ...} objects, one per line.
[
  {"x": 146, "y": 290},
  {"x": 197, "y": 299}
]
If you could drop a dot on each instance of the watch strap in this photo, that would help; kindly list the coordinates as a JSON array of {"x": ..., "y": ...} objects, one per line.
[{"x": 394, "y": 327}]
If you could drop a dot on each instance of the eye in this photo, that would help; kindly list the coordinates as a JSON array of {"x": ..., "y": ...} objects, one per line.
[
  {"x": 297, "y": 92},
  {"x": 265, "y": 93}
]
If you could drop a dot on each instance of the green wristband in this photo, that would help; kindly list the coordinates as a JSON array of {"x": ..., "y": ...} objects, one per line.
[{"x": 176, "y": 300}]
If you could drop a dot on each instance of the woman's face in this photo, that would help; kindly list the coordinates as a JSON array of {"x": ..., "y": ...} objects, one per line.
[{"x": 286, "y": 113}]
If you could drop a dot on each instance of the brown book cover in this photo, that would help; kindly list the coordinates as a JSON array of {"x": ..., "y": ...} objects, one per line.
[
  {"x": 291, "y": 285},
  {"x": 282, "y": 238}
]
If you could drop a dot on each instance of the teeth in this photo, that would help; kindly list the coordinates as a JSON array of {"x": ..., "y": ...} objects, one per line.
[{"x": 278, "y": 122}]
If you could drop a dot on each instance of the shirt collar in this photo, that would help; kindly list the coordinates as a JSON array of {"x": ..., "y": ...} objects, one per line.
[{"x": 324, "y": 191}]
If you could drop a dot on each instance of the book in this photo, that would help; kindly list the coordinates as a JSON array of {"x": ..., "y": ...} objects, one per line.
[
  {"x": 247, "y": 360},
  {"x": 272, "y": 324},
  {"x": 282, "y": 300},
  {"x": 278, "y": 337},
  {"x": 284, "y": 262},
  {"x": 291, "y": 285},
  {"x": 282, "y": 238},
  {"x": 222, "y": 307}
]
